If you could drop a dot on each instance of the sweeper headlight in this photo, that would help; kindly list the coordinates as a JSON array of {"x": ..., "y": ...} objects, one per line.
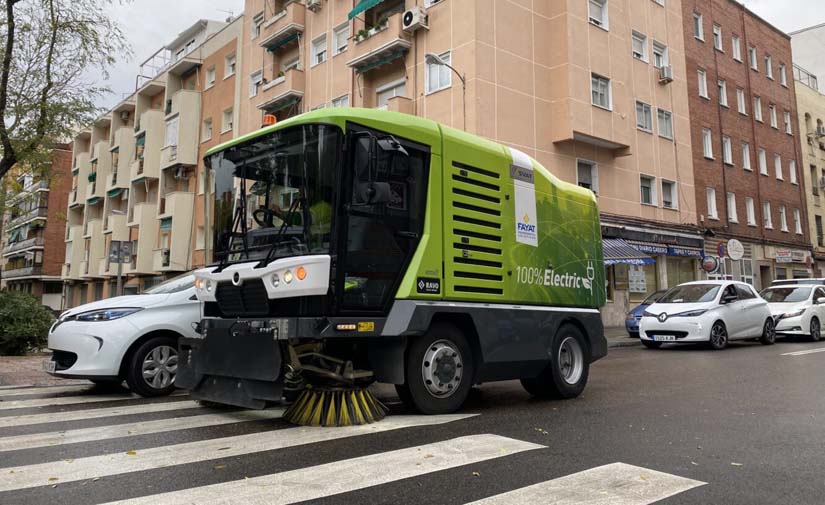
[
  {"x": 275, "y": 280},
  {"x": 288, "y": 276}
]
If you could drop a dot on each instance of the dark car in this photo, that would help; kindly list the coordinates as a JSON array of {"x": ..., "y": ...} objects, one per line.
[{"x": 631, "y": 322}]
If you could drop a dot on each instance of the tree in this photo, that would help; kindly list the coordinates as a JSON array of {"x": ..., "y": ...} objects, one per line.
[
  {"x": 50, "y": 48},
  {"x": 24, "y": 323}
]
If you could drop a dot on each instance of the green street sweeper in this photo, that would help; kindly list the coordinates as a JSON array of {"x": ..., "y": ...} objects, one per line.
[{"x": 357, "y": 245}]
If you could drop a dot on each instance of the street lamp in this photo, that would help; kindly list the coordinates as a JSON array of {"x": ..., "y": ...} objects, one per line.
[{"x": 434, "y": 59}]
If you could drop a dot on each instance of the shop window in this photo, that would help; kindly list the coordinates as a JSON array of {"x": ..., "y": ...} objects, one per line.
[
  {"x": 642, "y": 281},
  {"x": 609, "y": 279},
  {"x": 781, "y": 273},
  {"x": 680, "y": 270}
]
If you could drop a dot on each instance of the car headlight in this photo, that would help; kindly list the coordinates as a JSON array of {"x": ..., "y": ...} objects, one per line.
[
  {"x": 649, "y": 314},
  {"x": 105, "y": 314},
  {"x": 691, "y": 313},
  {"x": 199, "y": 283},
  {"x": 796, "y": 313},
  {"x": 630, "y": 317}
]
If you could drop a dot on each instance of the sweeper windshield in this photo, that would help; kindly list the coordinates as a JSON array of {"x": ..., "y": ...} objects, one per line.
[{"x": 273, "y": 194}]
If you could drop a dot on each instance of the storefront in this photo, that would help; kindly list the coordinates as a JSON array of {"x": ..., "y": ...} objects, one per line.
[{"x": 757, "y": 264}]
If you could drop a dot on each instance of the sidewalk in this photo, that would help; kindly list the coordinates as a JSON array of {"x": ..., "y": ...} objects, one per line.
[
  {"x": 617, "y": 337},
  {"x": 27, "y": 370}
]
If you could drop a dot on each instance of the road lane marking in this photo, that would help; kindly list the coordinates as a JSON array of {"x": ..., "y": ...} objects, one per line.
[
  {"x": 616, "y": 484},
  {"x": 193, "y": 452},
  {"x": 18, "y": 442},
  {"x": 69, "y": 400},
  {"x": 802, "y": 353},
  {"x": 45, "y": 391},
  {"x": 316, "y": 482},
  {"x": 78, "y": 415}
]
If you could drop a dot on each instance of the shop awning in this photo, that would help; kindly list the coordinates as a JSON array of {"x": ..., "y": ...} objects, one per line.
[
  {"x": 166, "y": 223},
  {"x": 618, "y": 251},
  {"x": 362, "y": 6}
]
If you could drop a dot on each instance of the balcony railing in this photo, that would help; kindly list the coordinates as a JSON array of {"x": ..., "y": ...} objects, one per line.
[
  {"x": 284, "y": 27},
  {"x": 31, "y": 214},
  {"x": 380, "y": 45},
  {"x": 12, "y": 273},
  {"x": 24, "y": 244}
]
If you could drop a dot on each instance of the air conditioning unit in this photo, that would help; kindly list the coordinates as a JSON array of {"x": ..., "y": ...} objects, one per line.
[
  {"x": 414, "y": 19},
  {"x": 314, "y": 5},
  {"x": 124, "y": 115},
  {"x": 820, "y": 131},
  {"x": 666, "y": 74}
]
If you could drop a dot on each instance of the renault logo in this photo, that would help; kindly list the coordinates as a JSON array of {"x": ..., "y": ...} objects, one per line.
[
  {"x": 661, "y": 317},
  {"x": 236, "y": 279}
]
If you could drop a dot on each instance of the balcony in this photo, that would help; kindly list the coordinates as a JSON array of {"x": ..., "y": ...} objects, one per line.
[
  {"x": 144, "y": 219},
  {"x": 96, "y": 251},
  {"x": 284, "y": 27},
  {"x": 400, "y": 104},
  {"x": 24, "y": 245},
  {"x": 282, "y": 92},
  {"x": 117, "y": 227},
  {"x": 185, "y": 106},
  {"x": 162, "y": 259},
  {"x": 380, "y": 45},
  {"x": 16, "y": 273},
  {"x": 74, "y": 249},
  {"x": 177, "y": 223},
  {"x": 38, "y": 213},
  {"x": 148, "y": 142}
]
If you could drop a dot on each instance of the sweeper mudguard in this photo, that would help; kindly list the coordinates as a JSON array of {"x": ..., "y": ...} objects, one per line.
[{"x": 235, "y": 363}]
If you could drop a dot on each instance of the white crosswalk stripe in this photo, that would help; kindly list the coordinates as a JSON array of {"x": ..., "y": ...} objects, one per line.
[
  {"x": 5, "y": 393},
  {"x": 133, "y": 429},
  {"x": 614, "y": 484},
  {"x": 67, "y": 400},
  {"x": 348, "y": 475},
  {"x": 802, "y": 353},
  {"x": 77, "y": 415},
  {"x": 193, "y": 452}
]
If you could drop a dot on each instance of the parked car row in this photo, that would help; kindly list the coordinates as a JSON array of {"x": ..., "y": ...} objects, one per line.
[{"x": 718, "y": 312}]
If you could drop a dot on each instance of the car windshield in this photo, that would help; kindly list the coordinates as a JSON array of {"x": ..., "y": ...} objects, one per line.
[
  {"x": 788, "y": 294},
  {"x": 173, "y": 285},
  {"x": 691, "y": 293},
  {"x": 653, "y": 297}
]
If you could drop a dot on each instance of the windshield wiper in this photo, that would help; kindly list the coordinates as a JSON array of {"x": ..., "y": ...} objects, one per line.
[{"x": 287, "y": 222}]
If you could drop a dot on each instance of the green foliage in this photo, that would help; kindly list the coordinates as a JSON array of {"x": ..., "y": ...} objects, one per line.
[{"x": 24, "y": 323}]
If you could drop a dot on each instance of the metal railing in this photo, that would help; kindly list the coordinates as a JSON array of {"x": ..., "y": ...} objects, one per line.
[
  {"x": 30, "y": 214},
  {"x": 24, "y": 244},
  {"x": 11, "y": 273}
]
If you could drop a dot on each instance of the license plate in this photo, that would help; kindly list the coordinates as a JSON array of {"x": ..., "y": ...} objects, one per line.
[
  {"x": 49, "y": 366},
  {"x": 664, "y": 338}
]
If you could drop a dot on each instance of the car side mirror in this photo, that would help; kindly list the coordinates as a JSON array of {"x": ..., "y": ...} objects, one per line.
[
  {"x": 372, "y": 193},
  {"x": 820, "y": 300},
  {"x": 726, "y": 299}
]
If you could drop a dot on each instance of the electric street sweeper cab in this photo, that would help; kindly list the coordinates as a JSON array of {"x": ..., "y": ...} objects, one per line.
[{"x": 357, "y": 245}]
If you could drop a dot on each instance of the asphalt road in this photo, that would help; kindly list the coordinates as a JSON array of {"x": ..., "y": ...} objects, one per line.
[{"x": 676, "y": 425}]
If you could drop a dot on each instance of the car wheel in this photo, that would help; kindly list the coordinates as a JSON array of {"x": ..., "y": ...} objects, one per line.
[
  {"x": 650, "y": 344},
  {"x": 439, "y": 371},
  {"x": 816, "y": 330},
  {"x": 152, "y": 368},
  {"x": 566, "y": 375},
  {"x": 718, "y": 336},
  {"x": 768, "y": 332}
]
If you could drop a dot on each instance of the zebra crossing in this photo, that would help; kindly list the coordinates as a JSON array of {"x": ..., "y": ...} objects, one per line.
[{"x": 50, "y": 454}]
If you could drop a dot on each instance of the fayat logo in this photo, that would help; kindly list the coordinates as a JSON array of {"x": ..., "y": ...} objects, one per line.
[{"x": 526, "y": 226}]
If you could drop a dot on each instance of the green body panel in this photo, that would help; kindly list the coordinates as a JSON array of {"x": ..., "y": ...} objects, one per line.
[{"x": 478, "y": 241}]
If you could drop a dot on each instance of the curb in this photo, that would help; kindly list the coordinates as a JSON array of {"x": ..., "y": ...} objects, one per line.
[{"x": 622, "y": 343}]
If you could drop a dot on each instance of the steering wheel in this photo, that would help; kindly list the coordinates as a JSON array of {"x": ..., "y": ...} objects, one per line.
[{"x": 264, "y": 217}]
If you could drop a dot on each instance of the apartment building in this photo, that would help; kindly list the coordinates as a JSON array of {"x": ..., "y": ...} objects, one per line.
[
  {"x": 746, "y": 143},
  {"x": 808, "y": 47},
  {"x": 31, "y": 242},
  {"x": 136, "y": 206}
]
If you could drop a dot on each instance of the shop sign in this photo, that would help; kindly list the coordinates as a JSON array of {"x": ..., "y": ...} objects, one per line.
[
  {"x": 646, "y": 247},
  {"x": 721, "y": 250},
  {"x": 799, "y": 256},
  {"x": 684, "y": 251},
  {"x": 736, "y": 251},
  {"x": 710, "y": 264},
  {"x": 784, "y": 255},
  {"x": 637, "y": 280}
]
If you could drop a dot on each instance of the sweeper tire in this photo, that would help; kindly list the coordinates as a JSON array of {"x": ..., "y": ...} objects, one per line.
[{"x": 438, "y": 371}]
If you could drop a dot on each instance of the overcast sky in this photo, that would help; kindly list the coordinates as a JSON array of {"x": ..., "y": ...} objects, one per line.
[{"x": 150, "y": 24}]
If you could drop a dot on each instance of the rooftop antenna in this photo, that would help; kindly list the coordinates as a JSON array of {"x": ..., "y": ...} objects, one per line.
[{"x": 226, "y": 11}]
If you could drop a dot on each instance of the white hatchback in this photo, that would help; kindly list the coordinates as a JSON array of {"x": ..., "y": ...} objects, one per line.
[
  {"x": 798, "y": 309},
  {"x": 715, "y": 312},
  {"x": 132, "y": 338}
]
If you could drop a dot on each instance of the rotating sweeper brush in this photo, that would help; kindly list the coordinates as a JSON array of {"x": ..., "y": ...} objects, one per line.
[{"x": 330, "y": 392}]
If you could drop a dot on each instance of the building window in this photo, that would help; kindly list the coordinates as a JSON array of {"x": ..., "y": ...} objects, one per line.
[
  {"x": 226, "y": 120},
  {"x": 341, "y": 101},
  {"x": 732, "y": 216},
  {"x": 783, "y": 219},
  {"x": 644, "y": 117},
  {"x": 736, "y": 45},
  {"x": 797, "y": 222},
  {"x": 777, "y": 166},
  {"x": 717, "y": 37},
  {"x": 207, "y": 129},
  {"x": 210, "y": 77},
  {"x": 727, "y": 151},
  {"x": 753, "y": 59},
  {"x": 670, "y": 198},
  {"x": 763, "y": 162},
  {"x": 707, "y": 143},
  {"x": 257, "y": 23},
  {"x": 587, "y": 175},
  {"x": 639, "y": 46},
  {"x": 757, "y": 108},
  {"x": 229, "y": 69},
  {"x": 200, "y": 238},
  {"x": 788, "y": 128},
  {"x": 384, "y": 93},
  {"x": 597, "y": 12},
  {"x": 815, "y": 181},
  {"x": 766, "y": 215},
  {"x": 750, "y": 211},
  {"x": 319, "y": 106},
  {"x": 439, "y": 76},
  {"x": 783, "y": 75},
  {"x": 703, "y": 83},
  {"x": 659, "y": 55},
  {"x": 711, "y": 197},
  {"x": 698, "y": 26},
  {"x": 665, "y": 120},
  {"x": 292, "y": 64},
  {"x": 340, "y": 39},
  {"x": 600, "y": 91},
  {"x": 746, "y": 156},
  {"x": 772, "y": 112},
  {"x": 741, "y": 104},
  {"x": 171, "y": 132},
  {"x": 255, "y": 80},
  {"x": 768, "y": 67},
  {"x": 648, "y": 189},
  {"x": 792, "y": 172},
  {"x": 319, "y": 50},
  {"x": 723, "y": 93},
  {"x": 820, "y": 238}
]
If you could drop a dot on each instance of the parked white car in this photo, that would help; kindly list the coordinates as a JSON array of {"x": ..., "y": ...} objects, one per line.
[
  {"x": 132, "y": 338},
  {"x": 798, "y": 309},
  {"x": 707, "y": 311}
]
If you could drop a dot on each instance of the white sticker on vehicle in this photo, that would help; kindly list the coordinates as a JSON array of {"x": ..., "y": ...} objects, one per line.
[{"x": 521, "y": 172}]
